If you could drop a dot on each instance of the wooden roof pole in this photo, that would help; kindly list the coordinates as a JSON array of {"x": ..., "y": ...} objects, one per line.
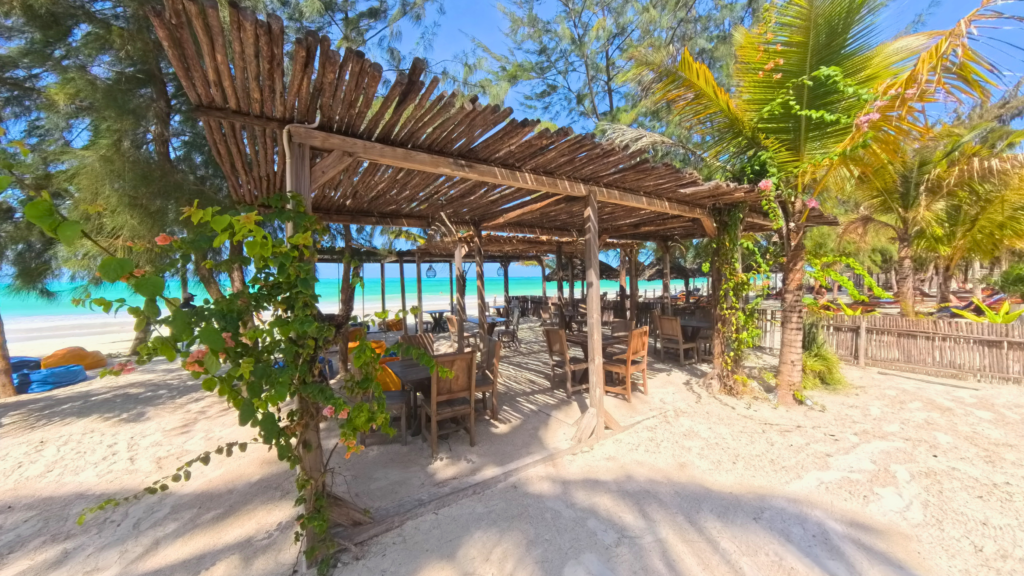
[
  {"x": 401, "y": 280},
  {"x": 561, "y": 286},
  {"x": 634, "y": 287},
  {"x": 383, "y": 293},
  {"x": 419, "y": 293},
  {"x": 593, "y": 421},
  {"x": 451, "y": 288},
  {"x": 460, "y": 298},
  {"x": 666, "y": 279},
  {"x": 543, "y": 280},
  {"x": 437, "y": 164},
  {"x": 481, "y": 296}
]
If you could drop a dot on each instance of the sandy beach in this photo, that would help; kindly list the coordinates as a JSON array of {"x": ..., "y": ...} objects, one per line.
[{"x": 896, "y": 476}]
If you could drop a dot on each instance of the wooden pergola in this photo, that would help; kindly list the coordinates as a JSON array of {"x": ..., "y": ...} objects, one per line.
[{"x": 423, "y": 158}]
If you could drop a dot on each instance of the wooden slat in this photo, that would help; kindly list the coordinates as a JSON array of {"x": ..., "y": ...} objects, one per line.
[
  {"x": 328, "y": 168},
  {"x": 220, "y": 52},
  {"x": 453, "y": 167}
]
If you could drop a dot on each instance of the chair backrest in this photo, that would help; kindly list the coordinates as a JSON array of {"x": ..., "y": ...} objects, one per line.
[
  {"x": 655, "y": 324},
  {"x": 491, "y": 358},
  {"x": 461, "y": 384},
  {"x": 557, "y": 346},
  {"x": 637, "y": 343},
  {"x": 424, "y": 342},
  {"x": 356, "y": 334},
  {"x": 394, "y": 325},
  {"x": 515, "y": 317},
  {"x": 545, "y": 313},
  {"x": 621, "y": 327},
  {"x": 670, "y": 328}
]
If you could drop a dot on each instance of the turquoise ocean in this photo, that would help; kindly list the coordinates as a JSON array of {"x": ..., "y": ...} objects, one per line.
[{"x": 367, "y": 299}]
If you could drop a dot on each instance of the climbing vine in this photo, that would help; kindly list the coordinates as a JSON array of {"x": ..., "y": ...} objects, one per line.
[{"x": 260, "y": 348}]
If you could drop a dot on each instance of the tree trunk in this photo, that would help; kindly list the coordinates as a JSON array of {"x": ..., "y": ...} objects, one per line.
[
  {"x": 237, "y": 272},
  {"x": 207, "y": 277},
  {"x": 6, "y": 377},
  {"x": 905, "y": 277},
  {"x": 345, "y": 305},
  {"x": 975, "y": 279},
  {"x": 791, "y": 350},
  {"x": 141, "y": 337},
  {"x": 183, "y": 279},
  {"x": 945, "y": 275}
]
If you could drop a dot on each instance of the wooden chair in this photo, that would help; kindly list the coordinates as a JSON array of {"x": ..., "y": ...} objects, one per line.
[
  {"x": 488, "y": 376},
  {"x": 634, "y": 360},
  {"x": 424, "y": 341},
  {"x": 655, "y": 327},
  {"x": 511, "y": 334},
  {"x": 704, "y": 346},
  {"x": 450, "y": 398},
  {"x": 547, "y": 319},
  {"x": 558, "y": 355},
  {"x": 672, "y": 337},
  {"x": 453, "y": 330}
]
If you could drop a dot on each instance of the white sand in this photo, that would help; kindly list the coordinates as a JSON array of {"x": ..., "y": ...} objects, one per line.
[{"x": 897, "y": 477}]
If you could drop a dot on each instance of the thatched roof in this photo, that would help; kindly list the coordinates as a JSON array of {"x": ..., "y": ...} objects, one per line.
[{"x": 411, "y": 155}]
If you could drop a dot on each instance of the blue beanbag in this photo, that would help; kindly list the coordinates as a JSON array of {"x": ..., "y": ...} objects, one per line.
[
  {"x": 24, "y": 363},
  {"x": 49, "y": 379}
]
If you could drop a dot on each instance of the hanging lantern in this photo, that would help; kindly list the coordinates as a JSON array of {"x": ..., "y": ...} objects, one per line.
[
  {"x": 431, "y": 273},
  {"x": 501, "y": 271}
]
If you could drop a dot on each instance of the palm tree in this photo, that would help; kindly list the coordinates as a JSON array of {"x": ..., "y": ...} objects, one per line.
[{"x": 815, "y": 82}]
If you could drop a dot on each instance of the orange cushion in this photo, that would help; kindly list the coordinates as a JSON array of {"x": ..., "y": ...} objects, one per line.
[{"x": 89, "y": 360}]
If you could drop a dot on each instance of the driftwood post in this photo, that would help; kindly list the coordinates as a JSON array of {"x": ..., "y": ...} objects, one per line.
[
  {"x": 481, "y": 296},
  {"x": 401, "y": 281},
  {"x": 383, "y": 291},
  {"x": 419, "y": 293},
  {"x": 572, "y": 286},
  {"x": 634, "y": 287},
  {"x": 666, "y": 279},
  {"x": 623, "y": 262},
  {"x": 504, "y": 269},
  {"x": 451, "y": 288},
  {"x": 558, "y": 266},
  {"x": 592, "y": 423},
  {"x": 862, "y": 341},
  {"x": 460, "y": 297},
  {"x": 543, "y": 280}
]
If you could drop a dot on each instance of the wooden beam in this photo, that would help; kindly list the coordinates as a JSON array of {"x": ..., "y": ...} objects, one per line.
[
  {"x": 383, "y": 292},
  {"x": 634, "y": 287},
  {"x": 509, "y": 216},
  {"x": 595, "y": 362},
  {"x": 329, "y": 167},
  {"x": 481, "y": 295},
  {"x": 436, "y": 164},
  {"x": 419, "y": 293},
  {"x": 666, "y": 279},
  {"x": 376, "y": 220},
  {"x": 401, "y": 281},
  {"x": 559, "y": 262},
  {"x": 460, "y": 298}
]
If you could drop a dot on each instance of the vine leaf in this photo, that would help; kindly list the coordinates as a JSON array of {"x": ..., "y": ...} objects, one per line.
[{"x": 112, "y": 269}]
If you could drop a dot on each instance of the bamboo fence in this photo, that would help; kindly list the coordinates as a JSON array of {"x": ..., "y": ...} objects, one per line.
[{"x": 946, "y": 348}]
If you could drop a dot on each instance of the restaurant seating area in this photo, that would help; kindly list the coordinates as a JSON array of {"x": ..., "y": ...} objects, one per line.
[{"x": 505, "y": 403}]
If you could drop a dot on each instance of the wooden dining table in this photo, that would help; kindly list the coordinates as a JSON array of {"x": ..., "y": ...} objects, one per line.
[
  {"x": 692, "y": 327},
  {"x": 415, "y": 377},
  {"x": 607, "y": 341},
  {"x": 492, "y": 323}
]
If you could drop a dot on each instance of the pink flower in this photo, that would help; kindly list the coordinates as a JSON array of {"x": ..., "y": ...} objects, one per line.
[
  {"x": 125, "y": 367},
  {"x": 813, "y": 203},
  {"x": 138, "y": 272},
  {"x": 164, "y": 239},
  {"x": 764, "y": 185},
  {"x": 866, "y": 119},
  {"x": 195, "y": 359},
  {"x": 343, "y": 413},
  {"x": 329, "y": 411},
  {"x": 227, "y": 340},
  {"x": 777, "y": 76}
]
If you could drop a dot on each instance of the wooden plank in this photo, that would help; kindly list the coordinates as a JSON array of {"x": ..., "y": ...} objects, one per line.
[
  {"x": 481, "y": 295},
  {"x": 595, "y": 362},
  {"x": 509, "y": 216},
  {"x": 329, "y": 168},
  {"x": 437, "y": 164}
]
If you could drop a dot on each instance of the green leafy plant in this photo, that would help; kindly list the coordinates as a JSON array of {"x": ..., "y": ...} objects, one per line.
[
  {"x": 259, "y": 348},
  {"x": 1011, "y": 281},
  {"x": 821, "y": 366},
  {"x": 1003, "y": 316}
]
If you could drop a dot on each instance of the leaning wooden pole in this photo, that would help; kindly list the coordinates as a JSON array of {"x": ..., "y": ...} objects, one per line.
[
  {"x": 666, "y": 279},
  {"x": 481, "y": 296},
  {"x": 460, "y": 298},
  {"x": 592, "y": 423},
  {"x": 383, "y": 291},
  {"x": 559, "y": 262},
  {"x": 419, "y": 293},
  {"x": 634, "y": 287},
  {"x": 405, "y": 309},
  {"x": 451, "y": 288},
  {"x": 504, "y": 270},
  {"x": 543, "y": 280}
]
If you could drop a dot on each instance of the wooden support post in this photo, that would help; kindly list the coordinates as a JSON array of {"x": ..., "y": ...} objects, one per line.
[
  {"x": 634, "y": 287},
  {"x": 862, "y": 342},
  {"x": 481, "y": 295},
  {"x": 543, "y": 280},
  {"x": 383, "y": 291},
  {"x": 593, "y": 421},
  {"x": 666, "y": 279},
  {"x": 460, "y": 298},
  {"x": 504, "y": 269},
  {"x": 623, "y": 262},
  {"x": 451, "y": 288},
  {"x": 572, "y": 286},
  {"x": 405, "y": 309},
  {"x": 419, "y": 293},
  {"x": 558, "y": 266}
]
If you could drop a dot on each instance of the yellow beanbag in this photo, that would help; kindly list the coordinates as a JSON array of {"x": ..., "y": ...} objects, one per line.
[
  {"x": 387, "y": 379},
  {"x": 75, "y": 355}
]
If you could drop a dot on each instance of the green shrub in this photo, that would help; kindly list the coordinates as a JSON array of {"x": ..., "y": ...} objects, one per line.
[{"x": 821, "y": 366}]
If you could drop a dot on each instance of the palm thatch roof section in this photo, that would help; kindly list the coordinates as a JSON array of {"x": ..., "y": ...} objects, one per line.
[{"x": 410, "y": 155}]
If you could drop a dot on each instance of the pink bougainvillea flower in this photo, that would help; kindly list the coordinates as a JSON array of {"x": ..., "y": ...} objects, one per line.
[
  {"x": 760, "y": 74},
  {"x": 329, "y": 411},
  {"x": 813, "y": 203},
  {"x": 138, "y": 272},
  {"x": 343, "y": 413},
  {"x": 866, "y": 119},
  {"x": 130, "y": 243},
  {"x": 777, "y": 76},
  {"x": 164, "y": 239},
  {"x": 764, "y": 185},
  {"x": 227, "y": 340}
]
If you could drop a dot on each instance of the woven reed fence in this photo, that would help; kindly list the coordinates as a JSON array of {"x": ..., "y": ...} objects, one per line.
[{"x": 952, "y": 349}]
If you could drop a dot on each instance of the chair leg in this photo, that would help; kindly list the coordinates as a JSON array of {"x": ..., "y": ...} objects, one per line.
[
  {"x": 568, "y": 383},
  {"x": 629, "y": 386},
  {"x": 472, "y": 428},
  {"x": 494, "y": 402},
  {"x": 643, "y": 372}
]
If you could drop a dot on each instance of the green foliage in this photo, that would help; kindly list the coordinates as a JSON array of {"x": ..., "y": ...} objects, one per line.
[
  {"x": 257, "y": 348},
  {"x": 823, "y": 271},
  {"x": 1011, "y": 281},
  {"x": 821, "y": 366},
  {"x": 1003, "y": 316}
]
